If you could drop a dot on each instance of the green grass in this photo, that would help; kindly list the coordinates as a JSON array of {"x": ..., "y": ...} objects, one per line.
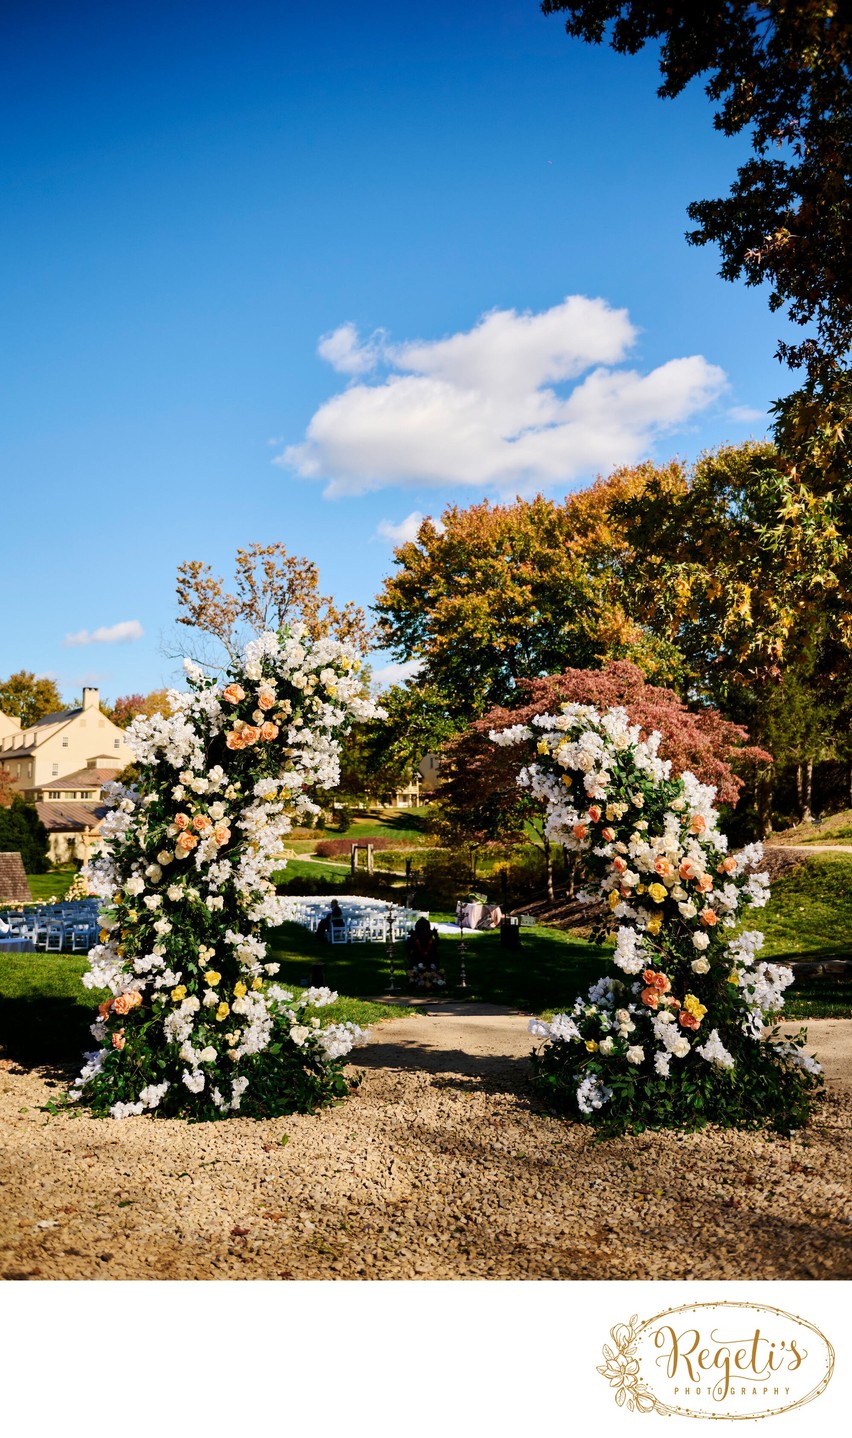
[
  {"x": 50, "y": 886},
  {"x": 810, "y": 913},
  {"x": 311, "y": 869},
  {"x": 833, "y": 829},
  {"x": 550, "y": 967},
  {"x": 45, "y": 1011}
]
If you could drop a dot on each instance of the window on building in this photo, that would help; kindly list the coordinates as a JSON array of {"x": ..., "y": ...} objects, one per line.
[
  {"x": 54, "y": 769},
  {"x": 54, "y": 794},
  {"x": 65, "y": 741},
  {"x": 116, "y": 743}
]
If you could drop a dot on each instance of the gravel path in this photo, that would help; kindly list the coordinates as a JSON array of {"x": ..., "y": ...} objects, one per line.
[{"x": 439, "y": 1166}]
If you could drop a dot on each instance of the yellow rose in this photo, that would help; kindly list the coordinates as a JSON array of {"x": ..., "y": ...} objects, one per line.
[
  {"x": 543, "y": 747},
  {"x": 566, "y": 780},
  {"x": 733, "y": 977},
  {"x": 179, "y": 993},
  {"x": 694, "y": 1006},
  {"x": 591, "y": 1046},
  {"x": 614, "y": 898},
  {"x": 257, "y": 983},
  {"x": 655, "y": 924},
  {"x": 657, "y": 892},
  {"x": 240, "y": 989},
  {"x": 212, "y": 978},
  {"x": 222, "y": 1012},
  {"x": 132, "y": 915}
]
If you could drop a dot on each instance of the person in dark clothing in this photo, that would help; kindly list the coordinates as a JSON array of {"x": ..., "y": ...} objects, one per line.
[
  {"x": 422, "y": 944},
  {"x": 333, "y": 920}
]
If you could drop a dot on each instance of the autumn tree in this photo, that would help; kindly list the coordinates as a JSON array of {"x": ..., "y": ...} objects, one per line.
[
  {"x": 29, "y": 698},
  {"x": 271, "y": 589},
  {"x": 7, "y": 792},
  {"x": 502, "y": 593},
  {"x": 479, "y": 788},
  {"x": 127, "y": 706},
  {"x": 781, "y": 72}
]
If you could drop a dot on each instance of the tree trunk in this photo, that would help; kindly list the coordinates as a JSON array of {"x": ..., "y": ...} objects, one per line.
[
  {"x": 807, "y": 816},
  {"x": 800, "y": 801},
  {"x": 570, "y": 870},
  {"x": 764, "y": 794},
  {"x": 850, "y": 785},
  {"x": 548, "y": 868}
]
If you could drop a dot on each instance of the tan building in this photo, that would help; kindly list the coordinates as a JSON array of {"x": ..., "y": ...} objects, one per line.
[
  {"x": 61, "y": 744},
  {"x": 430, "y": 773}
]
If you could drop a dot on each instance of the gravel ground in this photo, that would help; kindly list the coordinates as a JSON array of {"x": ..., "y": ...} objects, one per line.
[{"x": 438, "y": 1167}]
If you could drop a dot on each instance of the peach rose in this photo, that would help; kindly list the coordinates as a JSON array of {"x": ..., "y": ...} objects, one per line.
[
  {"x": 233, "y": 693},
  {"x": 580, "y": 831},
  {"x": 201, "y": 823},
  {"x": 181, "y": 821},
  {"x": 125, "y": 1002},
  {"x": 118, "y": 1040},
  {"x": 709, "y": 917},
  {"x": 608, "y": 835},
  {"x": 663, "y": 867},
  {"x": 705, "y": 884},
  {"x": 698, "y": 823},
  {"x": 104, "y": 1008},
  {"x": 250, "y": 734},
  {"x": 687, "y": 1020},
  {"x": 265, "y": 699},
  {"x": 656, "y": 981},
  {"x": 650, "y": 998},
  {"x": 221, "y": 834},
  {"x": 620, "y": 865},
  {"x": 729, "y": 865},
  {"x": 688, "y": 869},
  {"x": 235, "y": 740},
  {"x": 595, "y": 813},
  {"x": 186, "y": 842},
  {"x": 268, "y": 731}
]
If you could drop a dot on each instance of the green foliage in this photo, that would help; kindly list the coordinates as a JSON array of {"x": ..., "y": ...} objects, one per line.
[
  {"x": 24, "y": 696},
  {"x": 22, "y": 831}
]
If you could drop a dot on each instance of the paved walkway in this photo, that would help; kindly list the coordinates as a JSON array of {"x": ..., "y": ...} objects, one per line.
[{"x": 482, "y": 1039}]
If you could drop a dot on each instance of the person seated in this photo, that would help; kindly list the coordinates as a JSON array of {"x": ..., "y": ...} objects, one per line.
[
  {"x": 333, "y": 920},
  {"x": 422, "y": 945}
]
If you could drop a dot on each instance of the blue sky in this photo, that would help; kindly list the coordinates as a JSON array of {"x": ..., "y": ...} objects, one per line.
[{"x": 196, "y": 194}]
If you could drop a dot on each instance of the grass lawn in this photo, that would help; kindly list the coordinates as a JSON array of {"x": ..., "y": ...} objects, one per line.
[
  {"x": 834, "y": 829},
  {"x": 45, "y": 1012},
  {"x": 810, "y": 913},
  {"x": 50, "y": 886},
  {"x": 549, "y": 968}
]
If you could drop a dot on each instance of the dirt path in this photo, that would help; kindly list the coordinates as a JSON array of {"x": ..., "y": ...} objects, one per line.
[{"x": 438, "y": 1166}]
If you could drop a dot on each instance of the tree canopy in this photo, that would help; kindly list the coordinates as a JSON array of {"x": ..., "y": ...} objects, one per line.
[
  {"x": 782, "y": 72},
  {"x": 28, "y": 697},
  {"x": 271, "y": 589}
]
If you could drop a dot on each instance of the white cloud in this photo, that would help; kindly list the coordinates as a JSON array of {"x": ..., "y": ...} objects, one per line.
[
  {"x": 480, "y": 408},
  {"x": 396, "y": 673},
  {"x": 407, "y": 529},
  {"x": 345, "y": 352},
  {"x": 123, "y": 633},
  {"x": 743, "y": 414}
]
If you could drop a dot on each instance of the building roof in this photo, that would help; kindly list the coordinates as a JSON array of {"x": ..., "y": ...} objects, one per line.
[
  {"x": 82, "y": 779},
  {"x": 61, "y": 817},
  {"x": 13, "y": 881}
]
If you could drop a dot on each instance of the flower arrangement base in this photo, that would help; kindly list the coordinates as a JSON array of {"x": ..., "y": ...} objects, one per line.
[{"x": 675, "y": 1034}]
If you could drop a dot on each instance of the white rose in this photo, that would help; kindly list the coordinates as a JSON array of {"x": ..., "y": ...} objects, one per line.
[
  {"x": 635, "y": 1054},
  {"x": 680, "y": 1048},
  {"x": 174, "y": 892},
  {"x": 134, "y": 886},
  {"x": 298, "y": 1033},
  {"x": 687, "y": 910},
  {"x": 208, "y": 1055},
  {"x": 164, "y": 857},
  {"x": 152, "y": 901},
  {"x": 154, "y": 873},
  {"x": 700, "y": 966},
  {"x": 701, "y": 941},
  {"x": 607, "y": 1045}
]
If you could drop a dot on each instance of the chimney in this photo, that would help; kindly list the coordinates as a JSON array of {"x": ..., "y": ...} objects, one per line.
[{"x": 91, "y": 698}]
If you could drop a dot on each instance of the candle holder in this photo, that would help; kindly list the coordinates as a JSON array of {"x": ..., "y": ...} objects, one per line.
[
  {"x": 462, "y": 971},
  {"x": 390, "y": 948}
]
